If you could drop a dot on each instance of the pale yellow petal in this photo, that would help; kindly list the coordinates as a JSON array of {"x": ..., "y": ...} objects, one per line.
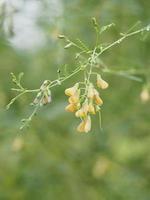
[
  {"x": 80, "y": 113},
  {"x": 74, "y": 99},
  {"x": 81, "y": 127},
  {"x": 91, "y": 109},
  {"x": 69, "y": 91},
  {"x": 72, "y": 90},
  {"x": 101, "y": 83},
  {"x": 98, "y": 100},
  {"x": 71, "y": 108},
  {"x": 87, "y": 126}
]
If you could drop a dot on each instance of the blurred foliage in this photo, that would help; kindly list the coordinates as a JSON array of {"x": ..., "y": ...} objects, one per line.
[{"x": 50, "y": 160}]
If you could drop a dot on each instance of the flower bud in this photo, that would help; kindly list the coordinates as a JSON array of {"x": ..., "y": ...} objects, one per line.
[
  {"x": 45, "y": 85},
  {"x": 61, "y": 36},
  {"x": 94, "y": 22},
  {"x": 46, "y": 99},
  {"x": 68, "y": 45}
]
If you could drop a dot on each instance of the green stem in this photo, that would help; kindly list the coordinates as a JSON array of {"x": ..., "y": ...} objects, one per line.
[
  {"x": 120, "y": 40},
  {"x": 59, "y": 82}
]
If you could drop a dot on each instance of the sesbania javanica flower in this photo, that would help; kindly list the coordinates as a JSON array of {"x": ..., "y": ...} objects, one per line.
[
  {"x": 85, "y": 125},
  {"x": 101, "y": 83},
  {"x": 44, "y": 96},
  {"x": 72, "y": 91},
  {"x": 74, "y": 101}
]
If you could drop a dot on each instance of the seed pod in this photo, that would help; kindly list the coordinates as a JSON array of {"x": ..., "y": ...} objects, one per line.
[{"x": 94, "y": 22}]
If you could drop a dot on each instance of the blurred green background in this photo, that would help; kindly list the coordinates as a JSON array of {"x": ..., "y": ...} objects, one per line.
[{"x": 50, "y": 160}]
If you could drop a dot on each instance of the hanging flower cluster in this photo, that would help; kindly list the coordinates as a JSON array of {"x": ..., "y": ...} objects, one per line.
[{"x": 85, "y": 104}]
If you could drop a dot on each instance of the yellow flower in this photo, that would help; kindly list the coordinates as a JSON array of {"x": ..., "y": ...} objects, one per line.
[
  {"x": 71, "y": 91},
  {"x": 101, "y": 83},
  {"x": 81, "y": 126},
  {"x": 85, "y": 125},
  {"x": 79, "y": 113},
  {"x": 91, "y": 108},
  {"x": 97, "y": 98},
  {"x": 145, "y": 96},
  {"x": 74, "y": 98},
  {"x": 83, "y": 111},
  {"x": 71, "y": 108}
]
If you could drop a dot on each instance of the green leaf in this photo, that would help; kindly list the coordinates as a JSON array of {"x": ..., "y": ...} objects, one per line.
[{"x": 104, "y": 28}]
